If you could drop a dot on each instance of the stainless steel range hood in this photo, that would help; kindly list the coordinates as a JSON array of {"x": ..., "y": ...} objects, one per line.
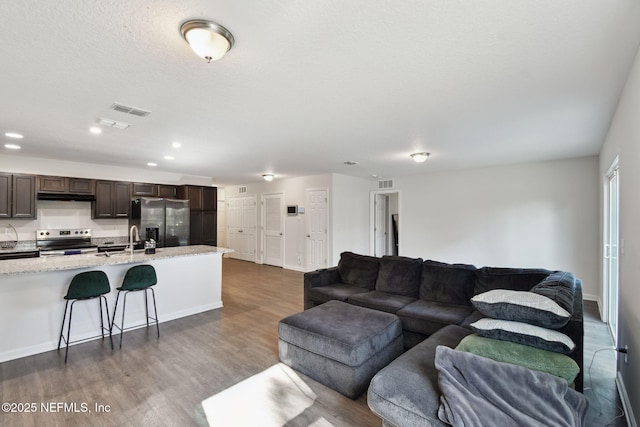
[{"x": 67, "y": 197}]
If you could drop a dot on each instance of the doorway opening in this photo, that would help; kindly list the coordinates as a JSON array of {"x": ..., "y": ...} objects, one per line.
[{"x": 385, "y": 223}]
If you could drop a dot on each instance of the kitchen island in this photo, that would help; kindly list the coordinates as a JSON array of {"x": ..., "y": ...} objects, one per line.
[{"x": 32, "y": 293}]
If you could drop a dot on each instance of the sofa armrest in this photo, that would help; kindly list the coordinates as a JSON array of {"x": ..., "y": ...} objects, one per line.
[
  {"x": 319, "y": 278},
  {"x": 574, "y": 329}
]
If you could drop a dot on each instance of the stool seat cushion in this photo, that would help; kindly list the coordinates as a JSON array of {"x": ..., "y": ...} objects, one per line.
[
  {"x": 342, "y": 332},
  {"x": 139, "y": 277},
  {"x": 88, "y": 284}
]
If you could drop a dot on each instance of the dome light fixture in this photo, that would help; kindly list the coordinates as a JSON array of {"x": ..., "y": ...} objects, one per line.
[
  {"x": 208, "y": 40},
  {"x": 420, "y": 157},
  {"x": 267, "y": 177}
]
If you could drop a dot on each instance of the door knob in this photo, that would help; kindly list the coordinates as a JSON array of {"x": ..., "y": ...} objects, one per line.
[{"x": 309, "y": 235}]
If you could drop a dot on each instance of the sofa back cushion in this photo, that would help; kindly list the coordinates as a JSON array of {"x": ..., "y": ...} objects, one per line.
[
  {"x": 447, "y": 283},
  {"x": 358, "y": 270},
  {"x": 517, "y": 279},
  {"x": 560, "y": 287},
  {"x": 399, "y": 275}
]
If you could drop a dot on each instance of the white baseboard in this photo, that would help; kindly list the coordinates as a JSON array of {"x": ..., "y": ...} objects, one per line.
[
  {"x": 590, "y": 297},
  {"x": 626, "y": 404},
  {"x": 294, "y": 268}
]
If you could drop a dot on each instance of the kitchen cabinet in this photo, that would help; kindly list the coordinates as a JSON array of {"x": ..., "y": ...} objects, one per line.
[
  {"x": 141, "y": 189},
  {"x": 203, "y": 207},
  {"x": 62, "y": 184},
  {"x": 17, "y": 196},
  {"x": 167, "y": 191},
  {"x": 113, "y": 199}
]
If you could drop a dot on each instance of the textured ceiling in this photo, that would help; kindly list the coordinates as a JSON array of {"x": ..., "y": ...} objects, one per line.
[{"x": 310, "y": 85}]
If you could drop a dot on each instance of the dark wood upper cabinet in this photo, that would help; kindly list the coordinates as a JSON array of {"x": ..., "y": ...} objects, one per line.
[
  {"x": 167, "y": 191},
  {"x": 17, "y": 196},
  {"x": 63, "y": 184},
  {"x": 143, "y": 189},
  {"x": 5, "y": 195},
  {"x": 23, "y": 199},
  {"x": 209, "y": 198},
  {"x": 113, "y": 199},
  {"x": 81, "y": 186},
  {"x": 203, "y": 204}
]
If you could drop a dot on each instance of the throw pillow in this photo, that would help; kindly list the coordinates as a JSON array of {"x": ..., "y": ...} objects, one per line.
[
  {"x": 521, "y": 306},
  {"x": 534, "y": 358},
  {"x": 558, "y": 286},
  {"x": 524, "y": 333}
]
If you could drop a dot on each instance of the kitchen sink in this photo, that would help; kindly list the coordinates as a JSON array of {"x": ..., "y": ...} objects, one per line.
[{"x": 19, "y": 255}]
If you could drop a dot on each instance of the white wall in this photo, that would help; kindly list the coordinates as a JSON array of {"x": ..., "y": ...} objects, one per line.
[
  {"x": 527, "y": 215},
  {"x": 350, "y": 216},
  {"x": 623, "y": 139}
]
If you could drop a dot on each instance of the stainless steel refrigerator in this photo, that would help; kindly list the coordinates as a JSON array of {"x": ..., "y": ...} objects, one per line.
[{"x": 164, "y": 220}]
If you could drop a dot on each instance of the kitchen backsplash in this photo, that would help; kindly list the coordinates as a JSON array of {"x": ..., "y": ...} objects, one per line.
[{"x": 62, "y": 214}]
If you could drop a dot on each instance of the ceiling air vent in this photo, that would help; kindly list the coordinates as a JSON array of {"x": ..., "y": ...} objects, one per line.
[
  {"x": 242, "y": 190},
  {"x": 384, "y": 184},
  {"x": 112, "y": 123},
  {"x": 129, "y": 110}
]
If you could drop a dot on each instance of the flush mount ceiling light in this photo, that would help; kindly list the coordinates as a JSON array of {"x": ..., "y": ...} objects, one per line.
[
  {"x": 208, "y": 40},
  {"x": 420, "y": 157},
  {"x": 267, "y": 177}
]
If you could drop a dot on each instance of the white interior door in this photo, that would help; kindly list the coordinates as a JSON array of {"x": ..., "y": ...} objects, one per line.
[
  {"x": 241, "y": 227},
  {"x": 222, "y": 224},
  {"x": 611, "y": 251},
  {"x": 381, "y": 225},
  {"x": 317, "y": 229},
  {"x": 273, "y": 231}
]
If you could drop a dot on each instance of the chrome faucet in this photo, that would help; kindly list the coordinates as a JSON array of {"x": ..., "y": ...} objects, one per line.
[{"x": 131, "y": 230}]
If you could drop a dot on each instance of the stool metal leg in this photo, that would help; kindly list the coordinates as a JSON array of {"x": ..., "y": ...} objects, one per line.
[
  {"x": 66, "y": 352},
  {"x": 106, "y": 307},
  {"x": 155, "y": 310},
  {"x": 64, "y": 318},
  {"x": 124, "y": 308}
]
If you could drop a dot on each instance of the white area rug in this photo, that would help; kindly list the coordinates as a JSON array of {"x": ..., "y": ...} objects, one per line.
[{"x": 275, "y": 397}]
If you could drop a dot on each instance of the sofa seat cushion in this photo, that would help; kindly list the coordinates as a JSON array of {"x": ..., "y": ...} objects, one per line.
[
  {"x": 406, "y": 391},
  {"x": 380, "y": 301},
  {"x": 447, "y": 283},
  {"x": 427, "y": 317},
  {"x": 399, "y": 275},
  {"x": 338, "y": 291},
  {"x": 358, "y": 270}
]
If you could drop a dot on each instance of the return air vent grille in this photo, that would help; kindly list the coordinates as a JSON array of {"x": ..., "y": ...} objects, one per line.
[
  {"x": 385, "y": 183},
  {"x": 129, "y": 110},
  {"x": 112, "y": 123},
  {"x": 242, "y": 190}
]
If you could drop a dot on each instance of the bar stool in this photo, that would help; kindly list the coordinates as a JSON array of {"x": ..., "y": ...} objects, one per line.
[
  {"x": 137, "y": 278},
  {"x": 85, "y": 286}
]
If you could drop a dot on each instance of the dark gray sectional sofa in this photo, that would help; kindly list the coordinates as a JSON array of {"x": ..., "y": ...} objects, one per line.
[{"x": 428, "y": 295}]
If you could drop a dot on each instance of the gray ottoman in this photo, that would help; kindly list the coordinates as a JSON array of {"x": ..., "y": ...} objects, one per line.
[{"x": 340, "y": 345}]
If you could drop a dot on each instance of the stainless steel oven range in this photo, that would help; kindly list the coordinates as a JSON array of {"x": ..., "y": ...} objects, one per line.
[{"x": 69, "y": 241}]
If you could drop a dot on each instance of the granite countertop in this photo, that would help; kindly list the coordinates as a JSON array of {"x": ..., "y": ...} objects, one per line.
[{"x": 56, "y": 263}]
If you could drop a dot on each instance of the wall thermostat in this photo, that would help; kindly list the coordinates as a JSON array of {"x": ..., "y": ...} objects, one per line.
[{"x": 292, "y": 210}]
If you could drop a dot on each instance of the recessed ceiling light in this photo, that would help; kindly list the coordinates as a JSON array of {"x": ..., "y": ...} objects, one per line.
[
  {"x": 12, "y": 146},
  {"x": 350, "y": 163},
  {"x": 14, "y": 135},
  {"x": 152, "y": 164},
  {"x": 420, "y": 157},
  {"x": 168, "y": 157},
  {"x": 176, "y": 144},
  {"x": 267, "y": 177},
  {"x": 95, "y": 130}
]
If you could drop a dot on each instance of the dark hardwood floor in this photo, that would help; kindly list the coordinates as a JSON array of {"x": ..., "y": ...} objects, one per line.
[{"x": 163, "y": 382}]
